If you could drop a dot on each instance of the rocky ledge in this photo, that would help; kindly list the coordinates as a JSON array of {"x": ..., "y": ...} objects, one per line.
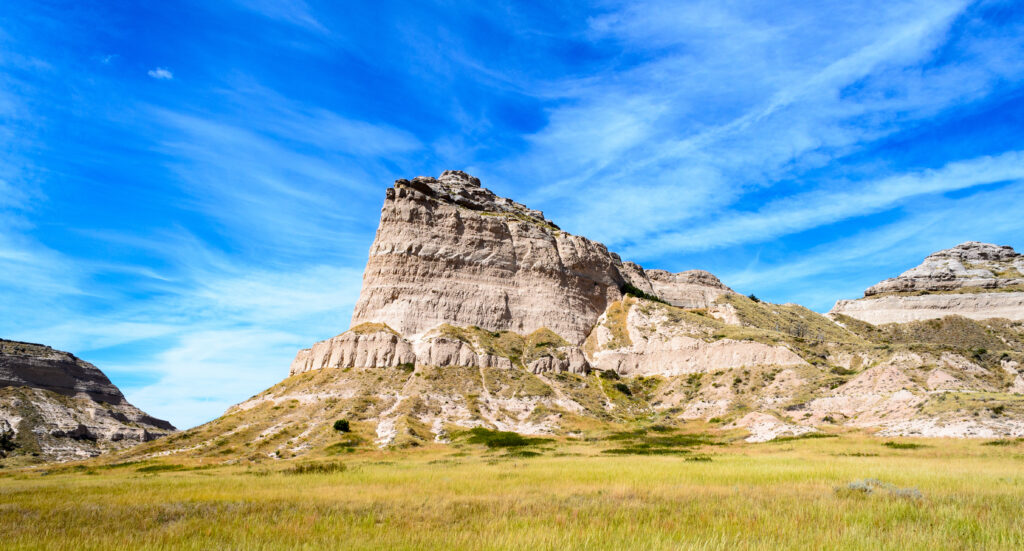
[
  {"x": 54, "y": 406},
  {"x": 974, "y": 280},
  {"x": 968, "y": 265},
  {"x": 450, "y": 251}
]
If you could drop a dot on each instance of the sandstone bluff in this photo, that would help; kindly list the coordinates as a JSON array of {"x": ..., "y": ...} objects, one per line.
[
  {"x": 974, "y": 280},
  {"x": 476, "y": 310},
  {"x": 450, "y": 251},
  {"x": 54, "y": 406}
]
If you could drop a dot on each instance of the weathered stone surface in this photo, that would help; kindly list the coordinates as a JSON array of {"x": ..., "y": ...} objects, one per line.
[
  {"x": 38, "y": 366},
  {"x": 450, "y": 251},
  {"x": 970, "y": 264},
  {"x": 764, "y": 427},
  {"x": 656, "y": 346},
  {"x": 954, "y": 276},
  {"x": 60, "y": 407},
  {"x": 691, "y": 289},
  {"x": 382, "y": 348},
  {"x": 355, "y": 349},
  {"x": 569, "y": 359},
  {"x": 901, "y": 309}
]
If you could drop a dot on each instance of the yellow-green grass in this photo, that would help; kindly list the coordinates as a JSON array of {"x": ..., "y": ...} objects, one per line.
[
  {"x": 748, "y": 496},
  {"x": 520, "y": 349},
  {"x": 367, "y": 328}
]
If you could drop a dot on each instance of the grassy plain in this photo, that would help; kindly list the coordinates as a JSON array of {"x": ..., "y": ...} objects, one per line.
[{"x": 845, "y": 492}]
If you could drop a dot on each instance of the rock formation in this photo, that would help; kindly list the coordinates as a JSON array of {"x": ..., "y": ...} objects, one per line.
[
  {"x": 56, "y": 406},
  {"x": 450, "y": 251},
  {"x": 974, "y": 280},
  {"x": 478, "y": 311},
  {"x": 691, "y": 289},
  {"x": 645, "y": 341}
]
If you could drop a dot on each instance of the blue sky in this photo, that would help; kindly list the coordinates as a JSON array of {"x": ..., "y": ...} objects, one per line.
[{"x": 188, "y": 190}]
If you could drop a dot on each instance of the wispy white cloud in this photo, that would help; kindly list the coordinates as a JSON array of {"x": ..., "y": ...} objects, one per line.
[
  {"x": 160, "y": 73},
  {"x": 207, "y": 371},
  {"x": 295, "y": 12},
  {"x": 844, "y": 267},
  {"x": 735, "y": 101},
  {"x": 217, "y": 330},
  {"x": 828, "y": 205}
]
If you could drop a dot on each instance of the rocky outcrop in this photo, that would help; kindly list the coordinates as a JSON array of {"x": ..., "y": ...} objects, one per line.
[
  {"x": 568, "y": 359},
  {"x": 968, "y": 265},
  {"x": 445, "y": 351},
  {"x": 377, "y": 346},
  {"x": 37, "y": 366},
  {"x": 359, "y": 347},
  {"x": 691, "y": 289},
  {"x": 631, "y": 341},
  {"x": 58, "y": 407},
  {"x": 974, "y": 280},
  {"x": 901, "y": 309},
  {"x": 450, "y": 251},
  {"x": 764, "y": 427}
]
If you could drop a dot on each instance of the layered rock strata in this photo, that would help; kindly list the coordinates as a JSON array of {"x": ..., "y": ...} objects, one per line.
[
  {"x": 56, "y": 406},
  {"x": 968, "y": 265},
  {"x": 974, "y": 280},
  {"x": 690, "y": 289},
  {"x": 901, "y": 309},
  {"x": 450, "y": 251},
  {"x": 632, "y": 340},
  {"x": 378, "y": 346}
]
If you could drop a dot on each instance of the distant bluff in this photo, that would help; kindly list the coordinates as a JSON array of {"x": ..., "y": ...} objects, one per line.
[
  {"x": 974, "y": 280},
  {"x": 54, "y": 406}
]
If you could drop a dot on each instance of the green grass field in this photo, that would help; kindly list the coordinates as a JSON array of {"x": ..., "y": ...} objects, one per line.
[{"x": 849, "y": 492}]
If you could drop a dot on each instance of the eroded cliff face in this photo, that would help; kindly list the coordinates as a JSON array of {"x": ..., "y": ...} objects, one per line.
[
  {"x": 901, "y": 309},
  {"x": 636, "y": 337},
  {"x": 54, "y": 406},
  {"x": 450, "y": 251},
  {"x": 974, "y": 280},
  {"x": 968, "y": 265},
  {"x": 771, "y": 369},
  {"x": 690, "y": 289},
  {"x": 451, "y": 254}
]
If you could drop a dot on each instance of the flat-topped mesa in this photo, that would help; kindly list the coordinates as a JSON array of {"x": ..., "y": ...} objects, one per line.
[
  {"x": 974, "y": 280},
  {"x": 450, "y": 251},
  {"x": 971, "y": 264}
]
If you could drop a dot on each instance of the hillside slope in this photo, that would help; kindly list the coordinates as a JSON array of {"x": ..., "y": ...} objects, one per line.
[{"x": 54, "y": 406}]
